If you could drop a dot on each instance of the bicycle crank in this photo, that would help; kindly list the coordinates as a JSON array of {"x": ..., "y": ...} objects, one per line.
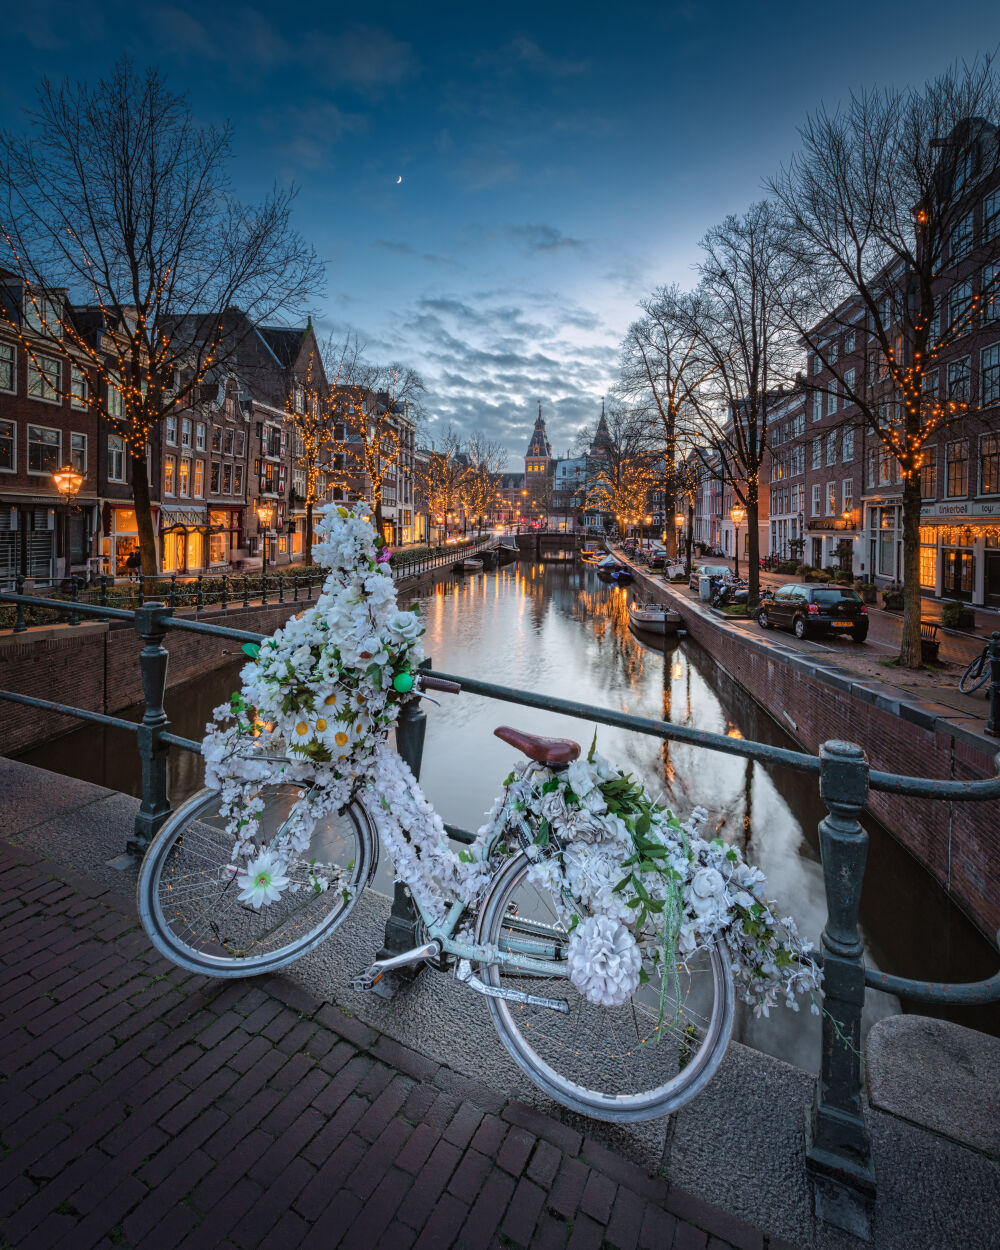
[
  {"x": 371, "y": 976},
  {"x": 465, "y": 974}
]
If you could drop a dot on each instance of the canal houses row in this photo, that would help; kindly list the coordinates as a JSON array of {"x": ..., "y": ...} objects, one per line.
[{"x": 226, "y": 468}]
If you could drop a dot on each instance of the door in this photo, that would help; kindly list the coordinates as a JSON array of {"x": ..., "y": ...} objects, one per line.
[
  {"x": 991, "y": 579},
  {"x": 817, "y": 554},
  {"x": 959, "y": 571}
]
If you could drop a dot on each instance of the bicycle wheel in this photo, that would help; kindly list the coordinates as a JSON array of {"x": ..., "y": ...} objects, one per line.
[
  {"x": 189, "y": 896},
  {"x": 616, "y": 1063},
  {"x": 977, "y": 674}
]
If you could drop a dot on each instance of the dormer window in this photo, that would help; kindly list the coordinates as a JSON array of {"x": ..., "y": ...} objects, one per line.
[{"x": 41, "y": 314}]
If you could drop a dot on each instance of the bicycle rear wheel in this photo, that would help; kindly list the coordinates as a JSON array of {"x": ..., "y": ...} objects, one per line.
[
  {"x": 189, "y": 895},
  {"x": 977, "y": 674},
  {"x": 624, "y": 1063}
]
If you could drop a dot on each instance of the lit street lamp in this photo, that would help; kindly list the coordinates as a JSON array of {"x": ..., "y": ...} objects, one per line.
[
  {"x": 68, "y": 482},
  {"x": 737, "y": 516},
  {"x": 679, "y": 522},
  {"x": 265, "y": 518}
]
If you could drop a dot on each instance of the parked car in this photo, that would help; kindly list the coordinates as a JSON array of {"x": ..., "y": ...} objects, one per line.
[
  {"x": 814, "y": 609},
  {"x": 657, "y": 557},
  {"x": 709, "y": 570}
]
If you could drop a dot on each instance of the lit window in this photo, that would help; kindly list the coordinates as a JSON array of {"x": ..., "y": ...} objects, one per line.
[
  {"x": 169, "y": 470},
  {"x": 199, "y": 479},
  {"x": 184, "y": 478},
  {"x": 928, "y": 474}
]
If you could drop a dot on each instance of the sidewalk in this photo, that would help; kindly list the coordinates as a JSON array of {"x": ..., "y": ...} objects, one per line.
[{"x": 146, "y": 1107}]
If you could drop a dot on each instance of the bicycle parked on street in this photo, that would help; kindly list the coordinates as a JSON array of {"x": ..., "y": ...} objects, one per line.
[{"x": 977, "y": 673}]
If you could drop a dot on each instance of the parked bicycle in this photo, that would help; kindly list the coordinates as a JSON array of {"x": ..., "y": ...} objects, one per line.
[
  {"x": 976, "y": 674},
  {"x": 603, "y": 933}
]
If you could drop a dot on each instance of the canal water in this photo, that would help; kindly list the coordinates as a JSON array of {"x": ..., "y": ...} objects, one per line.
[{"x": 559, "y": 629}]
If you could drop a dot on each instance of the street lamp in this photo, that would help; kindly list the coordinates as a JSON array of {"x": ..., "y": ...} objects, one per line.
[
  {"x": 265, "y": 516},
  {"x": 737, "y": 516},
  {"x": 679, "y": 522},
  {"x": 68, "y": 482}
]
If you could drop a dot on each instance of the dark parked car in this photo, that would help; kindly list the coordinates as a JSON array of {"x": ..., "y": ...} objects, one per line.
[{"x": 814, "y": 609}]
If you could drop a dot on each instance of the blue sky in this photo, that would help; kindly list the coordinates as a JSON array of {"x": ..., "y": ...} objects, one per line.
[{"x": 558, "y": 160}]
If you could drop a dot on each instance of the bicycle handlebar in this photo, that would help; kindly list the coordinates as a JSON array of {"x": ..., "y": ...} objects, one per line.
[{"x": 439, "y": 683}]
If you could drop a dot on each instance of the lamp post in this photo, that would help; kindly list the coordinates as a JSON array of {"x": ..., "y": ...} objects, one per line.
[
  {"x": 737, "y": 516},
  {"x": 679, "y": 522},
  {"x": 68, "y": 482},
  {"x": 265, "y": 516}
]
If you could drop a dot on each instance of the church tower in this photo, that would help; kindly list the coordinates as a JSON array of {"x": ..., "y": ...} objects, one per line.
[
  {"x": 601, "y": 444},
  {"x": 538, "y": 457}
]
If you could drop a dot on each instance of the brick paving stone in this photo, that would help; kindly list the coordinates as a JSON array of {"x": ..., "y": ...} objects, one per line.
[{"x": 146, "y": 1103}]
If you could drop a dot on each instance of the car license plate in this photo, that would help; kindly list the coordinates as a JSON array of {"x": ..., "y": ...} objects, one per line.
[{"x": 842, "y": 624}]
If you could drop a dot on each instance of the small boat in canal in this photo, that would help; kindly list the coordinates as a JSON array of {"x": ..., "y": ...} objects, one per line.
[
  {"x": 613, "y": 568},
  {"x": 654, "y": 618},
  {"x": 472, "y": 565}
]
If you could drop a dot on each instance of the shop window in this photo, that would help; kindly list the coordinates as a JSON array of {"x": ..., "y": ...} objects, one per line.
[
  {"x": 928, "y": 566},
  {"x": 957, "y": 461},
  {"x": 217, "y": 548}
]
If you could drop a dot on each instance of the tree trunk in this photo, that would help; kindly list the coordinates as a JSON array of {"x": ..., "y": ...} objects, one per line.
[
  {"x": 910, "y": 654},
  {"x": 144, "y": 516},
  {"x": 753, "y": 547},
  {"x": 308, "y": 535},
  {"x": 690, "y": 534}
]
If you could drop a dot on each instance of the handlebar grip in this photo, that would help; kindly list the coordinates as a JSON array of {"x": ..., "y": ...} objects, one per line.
[{"x": 438, "y": 683}]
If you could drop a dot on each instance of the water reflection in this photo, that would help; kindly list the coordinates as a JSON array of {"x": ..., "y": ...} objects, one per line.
[{"x": 560, "y": 630}]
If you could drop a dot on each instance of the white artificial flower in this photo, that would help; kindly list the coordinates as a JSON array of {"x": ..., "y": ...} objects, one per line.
[
  {"x": 404, "y": 626},
  {"x": 263, "y": 881},
  {"x": 708, "y": 892},
  {"x": 603, "y": 961}
]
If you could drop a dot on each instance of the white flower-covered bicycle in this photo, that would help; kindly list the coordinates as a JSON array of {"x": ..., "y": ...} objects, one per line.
[{"x": 604, "y": 934}]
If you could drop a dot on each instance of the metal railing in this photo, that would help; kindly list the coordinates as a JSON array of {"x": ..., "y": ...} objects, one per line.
[{"x": 838, "y": 1155}]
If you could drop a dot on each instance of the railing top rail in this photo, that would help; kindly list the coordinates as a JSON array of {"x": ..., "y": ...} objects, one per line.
[{"x": 66, "y": 605}]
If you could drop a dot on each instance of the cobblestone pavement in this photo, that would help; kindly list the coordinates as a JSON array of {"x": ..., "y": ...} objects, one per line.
[{"x": 144, "y": 1107}]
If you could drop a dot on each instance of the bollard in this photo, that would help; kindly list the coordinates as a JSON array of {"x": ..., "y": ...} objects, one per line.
[
  {"x": 155, "y": 806},
  {"x": 20, "y": 624},
  {"x": 225, "y": 591},
  {"x": 74, "y": 597},
  {"x": 295, "y": 588},
  {"x": 838, "y": 1148},
  {"x": 993, "y": 724},
  {"x": 401, "y": 927}
]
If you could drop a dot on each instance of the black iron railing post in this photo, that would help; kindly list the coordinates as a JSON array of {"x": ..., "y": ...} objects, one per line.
[
  {"x": 838, "y": 1153},
  {"x": 20, "y": 624},
  {"x": 155, "y": 806},
  {"x": 401, "y": 927},
  {"x": 246, "y": 591},
  {"x": 993, "y": 724}
]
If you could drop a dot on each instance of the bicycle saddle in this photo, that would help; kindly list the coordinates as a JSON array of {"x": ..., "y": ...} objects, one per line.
[{"x": 544, "y": 750}]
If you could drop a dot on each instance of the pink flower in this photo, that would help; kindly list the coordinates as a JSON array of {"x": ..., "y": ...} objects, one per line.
[{"x": 384, "y": 556}]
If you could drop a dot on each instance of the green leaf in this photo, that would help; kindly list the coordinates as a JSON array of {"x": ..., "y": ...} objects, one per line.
[
  {"x": 509, "y": 779},
  {"x": 465, "y": 857},
  {"x": 542, "y": 836},
  {"x": 593, "y": 748},
  {"x": 574, "y": 920},
  {"x": 643, "y": 976},
  {"x": 551, "y": 785},
  {"x": 731, "y": 856}
]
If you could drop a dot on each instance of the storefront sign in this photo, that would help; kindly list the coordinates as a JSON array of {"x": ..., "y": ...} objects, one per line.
[{"x": 973, "y": 509}]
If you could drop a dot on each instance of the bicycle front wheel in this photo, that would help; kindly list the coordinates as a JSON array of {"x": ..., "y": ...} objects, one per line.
[
  {"x": 188, "y": 890},
  {"x": 635, "y": 1062},
  {"x": 977, "y": 674}
]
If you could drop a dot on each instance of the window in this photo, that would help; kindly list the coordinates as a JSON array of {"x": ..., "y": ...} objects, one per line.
[
  {"x": 184, "y": 478},
  {"x": 831, "y": 447},
  {"x": 227, "y": 479},
  {"x": 237, "y": 479},
  {"x": 228, "y": 442},
  {"x": 199, "y": 436},
  {"x": 116, "y": 458},
  {"x": 928, "y": 558},
  {"x": 961, "y": 239},
  {"x": 848, "y": 386},
  {"x": 817, "y": 452},
  {"x": 299, "y": 399},
  {"x": 44, "y": 449},
  {"x": 928, "y": 473},
  {"x": 8, "y": 446},
  {"x": 78, "y": 387},
  {"x": 989, "y": 375},
  {"x": 957, "y": 461},
  {"x": 959, "y": 306},
  {"x": 199, "y": 479},
  {"x": 116, "y": 405},
  {"x": 816, "y": 500},
  {"x": 991, "y": 215},
  {"x": 43, "y": 379},
  {"x": 42, "y": 315},
  {"x": 241, "y": 442},
  {"x": 847, "y": 454},
  {"x": 848, "y": 342},
  {"x": 817, "y": 365},
  {"x": 871, "y": 460},
  {"x": 78, "y": 452},
  {"x": 171, "y": 431},
  {"x": 958, "y": 380},
  {"x": 989, "y": 464},
  {"x": 831, "y": 399},
  {"x": 8, "y": 369},
  {"x": 847, "y": 494},
  {"x": 185, "y": 431},
  {"x": 169, "y": 470},
  {"x": 213, "y": 488},
  {"x": 817, "y": 406},
  {"x": 930, "y": 384},
  {"x": 990, "y": 296},
  {"x": 216, "y": 438}
]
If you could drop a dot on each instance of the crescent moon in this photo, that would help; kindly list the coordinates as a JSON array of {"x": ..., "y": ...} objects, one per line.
[{"x": 399, "y": 180}]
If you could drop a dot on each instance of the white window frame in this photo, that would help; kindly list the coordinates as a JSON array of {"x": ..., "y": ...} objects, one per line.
[
  {"x": 13, "y": 439},
  {"x": 185, "y": 431},
  {"x": 817, "y": 405},
  {"x": 817, "y": 499},
  {"x": 198, "y": 479},
  {"x": 849, "y": 342},
  {"x": 989, "y": 359},
  {"x": 74, "y": 435},
  {"x": 79, "y": 388},
  {"x": 831, "y": 498},
  {"x": 847, "y": 494},
  {"x": 34, "y": 368},
  {"x": 48, "y": 430},
  {"x": 170, "y": 431},
  {"x": 847, "y": 447},
  {"x": 817, "y": 452},
  {"x": 962, "y": 236},
  {"x": 170, "y": 475},
  {"x": 831, "y": 448},
  {"x": 114, "y": 452},
  {"x": 12, "y": 389},
  {"x": 199, "y": 436}
]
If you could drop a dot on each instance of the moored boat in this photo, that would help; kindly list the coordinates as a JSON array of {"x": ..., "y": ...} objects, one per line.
[
  {"x": 654, "y": 618},
  {"x": 472, "y": 565}
]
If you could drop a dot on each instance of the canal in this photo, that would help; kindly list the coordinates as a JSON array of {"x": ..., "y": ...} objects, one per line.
[{"x": 558, "y": 629}]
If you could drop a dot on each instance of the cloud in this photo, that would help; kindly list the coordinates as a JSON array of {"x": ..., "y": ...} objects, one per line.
[
  {"x": 537, "y": 237},
  {"x": 397, "y": 247},
  {"x": 522, "y": 53},
  {"x": 483, "y": 173}
]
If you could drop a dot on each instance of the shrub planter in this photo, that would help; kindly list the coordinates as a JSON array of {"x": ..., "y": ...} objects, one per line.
[
  {"x": 892, "y": 600},
  {"x": 867, "y": 592},
  {"x": 955, "y": 615}
]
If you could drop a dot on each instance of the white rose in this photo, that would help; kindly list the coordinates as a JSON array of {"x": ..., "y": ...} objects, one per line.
[
  {"x": 707, "y": 891},
  {"x": 404, "y": 626}
]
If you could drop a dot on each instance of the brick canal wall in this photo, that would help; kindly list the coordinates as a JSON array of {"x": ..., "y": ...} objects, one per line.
[
  {"x": 95, "y": 666},
  {"x": 958, "y": 843}
]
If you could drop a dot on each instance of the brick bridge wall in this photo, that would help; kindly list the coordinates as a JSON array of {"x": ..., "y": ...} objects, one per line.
[{"x": 957, "y": 843}]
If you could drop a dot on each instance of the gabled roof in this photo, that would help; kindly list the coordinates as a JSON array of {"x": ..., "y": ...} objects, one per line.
[{"x": 284, "y": 344}]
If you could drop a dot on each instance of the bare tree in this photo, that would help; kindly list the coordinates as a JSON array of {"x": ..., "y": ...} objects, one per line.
[
  {"x": 478, "y": 490},
  {"x": 880, "y": 202},
  {"x": 624, "y": 469},
  {"x": 744, "y": 339},
  {"x": 115, "y": 197},
  {"x": 665, "y": 373}
]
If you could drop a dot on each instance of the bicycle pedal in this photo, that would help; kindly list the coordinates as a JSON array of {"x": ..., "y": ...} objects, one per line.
[{"x": 362, "y": 982}]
